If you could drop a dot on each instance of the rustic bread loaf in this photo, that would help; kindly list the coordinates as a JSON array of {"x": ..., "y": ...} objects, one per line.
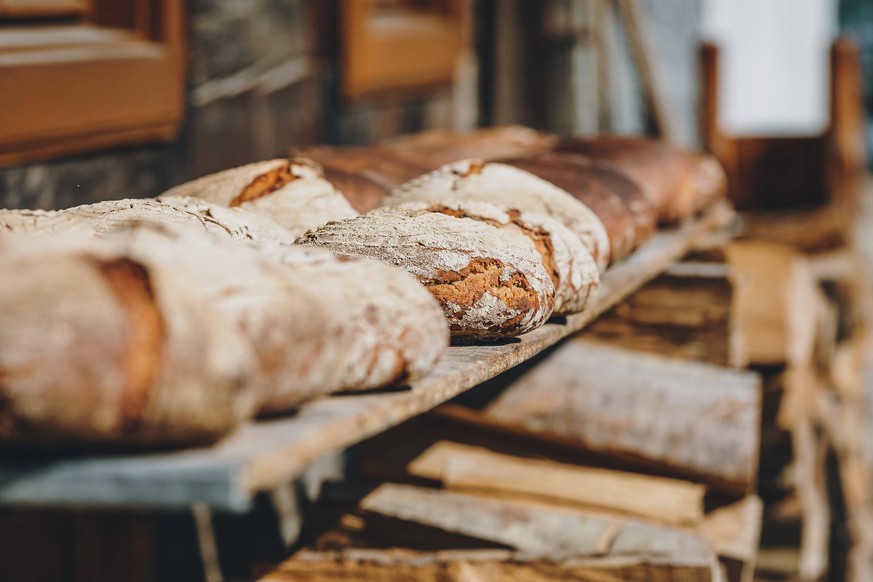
[
  {"x": 512, "y": 188},
  {"x": 291, "y": 192},
  {"x": 365, "y": 175},
  {"x": 488, "y": 287},
  {"x": 432, "y": 149},
  {"x": 173, "y": 338},
  {"x": 106, "y": 217},
  {"x": 679, "y": 182},
  {"x": 101, "y": 345},
  {"x": 627, "y": 214},
  {"x": 571, "y": 267},
  {"x": 315, "y": 324}
]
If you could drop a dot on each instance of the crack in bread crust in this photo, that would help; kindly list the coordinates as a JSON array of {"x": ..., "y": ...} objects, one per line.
[
  {"x": 541, "y": 239},
  {"x": 464, "y": 288},
  {"x": 129, "y": 282},
  {"x": 273, "y": 180}
]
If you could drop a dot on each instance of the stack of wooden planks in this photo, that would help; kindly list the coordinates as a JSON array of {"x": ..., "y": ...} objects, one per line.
[{"x": 711, "y": 413}]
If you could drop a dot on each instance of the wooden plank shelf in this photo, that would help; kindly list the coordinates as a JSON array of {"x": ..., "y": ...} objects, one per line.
[{"x": 263, "y": 455}]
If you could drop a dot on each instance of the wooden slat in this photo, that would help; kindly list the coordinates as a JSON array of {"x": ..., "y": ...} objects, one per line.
[
  {"x": 697, "y": 419},
  {"x": 474, "y": 565},
  {"x": 533, "y": 529},
  {"x": 465, "y": 467},
  {"x": 262, "y": 455}
]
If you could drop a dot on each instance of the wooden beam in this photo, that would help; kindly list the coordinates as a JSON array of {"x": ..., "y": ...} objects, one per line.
[
  {"x": 465, "y": 467},
  {"x": 693, "y": 417},
  {"x": 534, "y": 530}
]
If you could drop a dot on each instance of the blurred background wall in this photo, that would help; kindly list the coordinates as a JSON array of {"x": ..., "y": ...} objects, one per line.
[{"x": 263, "y": 76}]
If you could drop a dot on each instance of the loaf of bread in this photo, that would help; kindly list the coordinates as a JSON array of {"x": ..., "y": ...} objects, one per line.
[
  {"x": 511, "y": 188},
  {"x": 292, "y": 192},
  {"x": 570, "y": 265},
  {"x": 365, "y": 175},
  {"x": 377, "y": 326},
  {"x": 679, "y": 182},
  {"x": 432, "y": 149},
  {"x": 173, "y": 337},
  {"x": 628, "y": 215},
  {"x": 488, "y": 286},
  {"x": 106, "y": 217},
  {"x": 99, "y": 344}
]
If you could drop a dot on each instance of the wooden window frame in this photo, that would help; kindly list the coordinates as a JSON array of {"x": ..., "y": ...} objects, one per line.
[
  {"x": 415, "y": 52},
  {"x": 108, "y": 75}
]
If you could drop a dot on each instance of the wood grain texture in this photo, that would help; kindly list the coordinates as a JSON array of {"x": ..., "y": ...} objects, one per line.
[
  {"x": 464, "y": 467},
  {"x": 533, "y": 529},
  {"x": 474, "y": 565},
  {"x": 262, "y": 455},
  {"x": 685, "y": 313},
  {"x": 696, "y": 417}
]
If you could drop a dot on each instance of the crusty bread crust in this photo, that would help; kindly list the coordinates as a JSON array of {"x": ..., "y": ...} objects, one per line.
[
  {"x": 488, "y": 286},
  {"x": 197, "y": 216},
  {"x": 512, "y": 188},
  {"x": 569, "y": 264},
  {"x": 292, "y": 192},
  {"x": 679, "y": 182}
]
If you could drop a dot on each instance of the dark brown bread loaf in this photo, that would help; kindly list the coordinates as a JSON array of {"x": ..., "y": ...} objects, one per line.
[
  {"x": 678, "y": 181},
  {"x": 365, "y": 175},
  {"x": 487, "y": 285},
  {"x": 432, "y": 149},
  {"x": 626, "y": 212},
  {"x": 293, "y": 193}
]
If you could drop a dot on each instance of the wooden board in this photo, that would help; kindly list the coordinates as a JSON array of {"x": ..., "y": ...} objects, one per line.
[
  {"x": 684, "y": 313},
  {"x": 469, "y": 565},
  {"x": 464, "y": 467},
  {"x": 535, "y": 530},
  {"x": 698, "y": 419},
  {"x": 262, "y": 455}
]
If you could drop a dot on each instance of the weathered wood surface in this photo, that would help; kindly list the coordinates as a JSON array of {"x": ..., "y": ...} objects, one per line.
[
  {"x": 697, "y": 418},
  {"x": 464, "y": 467},
  {"x": 533, "y": 529},
  {"x": 264, "y": 454},
  {"x": 734, "y": 534},
  {"x": 476, "y": 565},
  {"x": 777, "y": 303},
  {"x": 684, "y": 313}
]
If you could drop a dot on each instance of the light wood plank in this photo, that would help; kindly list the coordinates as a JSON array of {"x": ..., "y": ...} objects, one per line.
[
  {"x": 697, "y": 419},
  {"x": 462, "y": 467},
  {"x": 534, "y": 530},
  {"x": 480, "y": 565}
]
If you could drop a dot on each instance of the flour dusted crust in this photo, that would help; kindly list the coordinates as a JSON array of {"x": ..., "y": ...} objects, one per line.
[
  {"x": 383, "y": 328},
  {"x": 98, "y": 345},
  {"x": 172, "y": 337},
  {"x": 315, "y": 324},
  {"x": 572, "y": 269},
  {"x": 291, "y": 192},
  {"x": 103, "y": 218},
  {"x": 488, "y": 286},
  {"x": 513, "y": 188}
]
